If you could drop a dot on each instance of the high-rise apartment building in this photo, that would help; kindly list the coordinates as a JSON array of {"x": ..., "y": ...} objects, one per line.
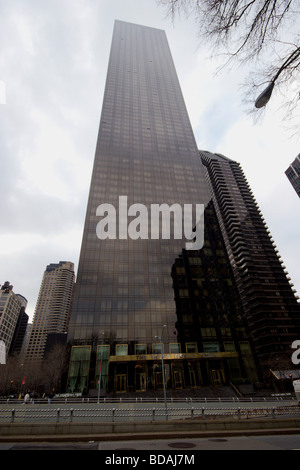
[
  {"x": 10, "y": 306},
  {"x": 52, "y": 308},
  {"x": 269, "y": 301},
  {"x": 293, "y": 174}
]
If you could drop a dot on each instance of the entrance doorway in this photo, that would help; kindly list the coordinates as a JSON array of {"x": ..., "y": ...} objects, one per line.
[
  {"x": 141, "y": 381},
  {"x": 195, "y": 376},
  {"x": 159, "y": 383},
  {"x": 216, "y": 377},
  {"x": 192, "y": 378},
  {"x": 121, "y": 383},
  {"x": 177, "y": 379}
]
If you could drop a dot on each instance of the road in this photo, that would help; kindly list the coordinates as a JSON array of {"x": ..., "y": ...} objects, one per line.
[{"x": 183, "y": 446}]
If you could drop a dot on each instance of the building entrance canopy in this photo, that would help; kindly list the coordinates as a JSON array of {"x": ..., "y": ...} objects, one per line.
[{"x": 179, "y": 356}]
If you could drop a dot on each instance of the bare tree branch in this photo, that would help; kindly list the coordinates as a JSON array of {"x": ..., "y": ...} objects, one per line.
[{"x": 247, "y": 30}]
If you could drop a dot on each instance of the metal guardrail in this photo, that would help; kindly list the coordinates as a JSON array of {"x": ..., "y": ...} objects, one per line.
[
  {"x": 60, "y": 400},
  {"x": 69, "y": 415}
]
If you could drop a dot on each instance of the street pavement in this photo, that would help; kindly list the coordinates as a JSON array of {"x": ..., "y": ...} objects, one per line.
[{"x": 180, "y": 446}]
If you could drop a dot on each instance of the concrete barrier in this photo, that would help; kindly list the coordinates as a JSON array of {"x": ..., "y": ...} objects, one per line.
[{"x": 144, "y": 430}]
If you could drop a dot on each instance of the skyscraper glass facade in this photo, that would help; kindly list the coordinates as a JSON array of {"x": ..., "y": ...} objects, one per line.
[{"x": 147, "y": 152}]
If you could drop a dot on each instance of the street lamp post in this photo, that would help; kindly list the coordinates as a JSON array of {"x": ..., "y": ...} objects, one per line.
[
  {"x": 265, "y": 96},
  {"x": 100, "y": 369},
  {"x": 163, "y": 373}
]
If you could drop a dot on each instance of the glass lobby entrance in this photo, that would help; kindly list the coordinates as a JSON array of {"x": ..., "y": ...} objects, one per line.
[{"x": 139, "y": 373}]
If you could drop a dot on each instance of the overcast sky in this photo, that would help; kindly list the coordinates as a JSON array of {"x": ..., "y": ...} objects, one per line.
[{"x": 53, "y": 63}]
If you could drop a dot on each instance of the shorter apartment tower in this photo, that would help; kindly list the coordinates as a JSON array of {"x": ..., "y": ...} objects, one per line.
[
  {"x": 52, "y": 308},
  {"x": 270, "y": 306},
  {"x": 293, "y": 174},
  {"x": 10, "y": 306}
]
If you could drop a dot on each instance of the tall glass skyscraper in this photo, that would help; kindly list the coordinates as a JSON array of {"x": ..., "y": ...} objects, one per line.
[
  {"x": 146, "y": 152},
  {"x": 140, "y": 290}
]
